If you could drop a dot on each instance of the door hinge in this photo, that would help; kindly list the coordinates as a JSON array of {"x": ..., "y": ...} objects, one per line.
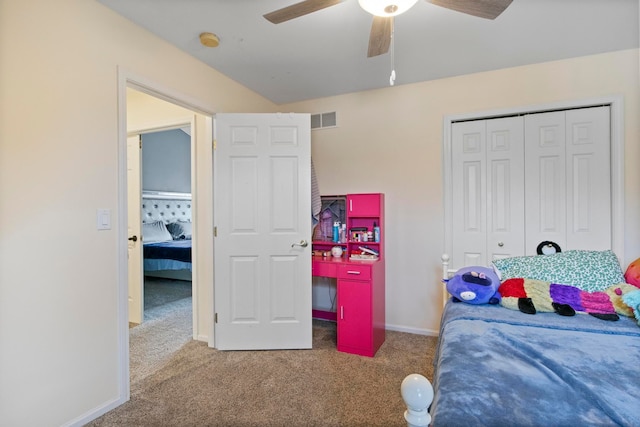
[
  {"x": 215, "y": 144},
  {"x": 215, "y": 318},
  {"x": 215, "y": 231},
  {"x": 140, "y": 141}
]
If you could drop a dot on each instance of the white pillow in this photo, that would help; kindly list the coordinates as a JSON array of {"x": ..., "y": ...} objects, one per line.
[{"x": 155, "y": 232}]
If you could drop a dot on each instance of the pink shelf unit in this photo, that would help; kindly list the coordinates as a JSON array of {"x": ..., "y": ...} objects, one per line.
[{"x": 360, "y": 313}]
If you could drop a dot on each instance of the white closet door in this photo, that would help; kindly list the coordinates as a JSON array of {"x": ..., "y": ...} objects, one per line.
[
  {"x": 545, "y": 182},
  {"x": 568, "y": 179},
  {"x": 469, "y": 189},
  {"x": 488, "y": 174},
  {"x": 505, "y": 180},
  {"x": 519, "y": 181},
  {"x": 588, "y": 179}
]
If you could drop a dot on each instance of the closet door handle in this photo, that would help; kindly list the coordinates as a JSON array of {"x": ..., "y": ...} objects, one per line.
[
  {"x": 302, "y": 243},
  {"x": 501, "y": 244}
]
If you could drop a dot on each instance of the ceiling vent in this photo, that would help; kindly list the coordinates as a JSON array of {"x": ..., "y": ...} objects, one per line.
[{"x": 323, "y": 120}]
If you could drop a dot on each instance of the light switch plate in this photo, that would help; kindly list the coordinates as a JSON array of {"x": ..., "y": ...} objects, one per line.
[{"x": 103, "y": 219}]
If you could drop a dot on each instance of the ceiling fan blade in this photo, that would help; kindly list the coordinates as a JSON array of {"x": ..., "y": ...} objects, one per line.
[
  {"x": 380, "y": 37},
  {"x": 299, "y": 9},
  {"x": 489, "y": 9}
]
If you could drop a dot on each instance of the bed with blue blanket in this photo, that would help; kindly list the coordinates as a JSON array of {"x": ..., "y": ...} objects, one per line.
[
  {"x": 496, "y": 366},
  {"x": 166, "y": 234},
  {"x": 501, "y": 367}
]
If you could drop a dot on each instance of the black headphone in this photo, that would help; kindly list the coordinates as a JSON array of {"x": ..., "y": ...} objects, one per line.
[{"x": 547, "y": 248}]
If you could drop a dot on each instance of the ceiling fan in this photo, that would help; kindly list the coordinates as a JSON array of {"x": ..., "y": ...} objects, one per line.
[{"x": 383, "y": 12}]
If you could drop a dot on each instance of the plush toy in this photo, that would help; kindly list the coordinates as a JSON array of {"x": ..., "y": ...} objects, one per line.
[
  {"x": 474, "y": 285},
  {"x": 632, "y": 299},
  {"x": 632, "y": 275},
  {"x": 530, "y": 296}
]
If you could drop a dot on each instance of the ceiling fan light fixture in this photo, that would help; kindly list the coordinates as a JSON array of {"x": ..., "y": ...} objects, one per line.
[{"x": 386, "y": 8}]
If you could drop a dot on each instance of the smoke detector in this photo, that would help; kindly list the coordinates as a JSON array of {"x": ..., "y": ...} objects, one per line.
[{"x": 209, "y": 40}]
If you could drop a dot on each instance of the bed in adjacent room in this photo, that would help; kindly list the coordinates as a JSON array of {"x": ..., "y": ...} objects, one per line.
[
  {"x": 496, "y": 365},
  {"x": 166, "y": 231}
]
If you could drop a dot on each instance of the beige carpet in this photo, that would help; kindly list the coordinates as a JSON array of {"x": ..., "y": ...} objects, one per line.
[
  {"x": 166, "y": 328},
  {"x": 198, "y": 386}
]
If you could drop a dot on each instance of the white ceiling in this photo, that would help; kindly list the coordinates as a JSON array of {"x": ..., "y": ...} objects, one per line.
[{"x": 325, "y": 53}]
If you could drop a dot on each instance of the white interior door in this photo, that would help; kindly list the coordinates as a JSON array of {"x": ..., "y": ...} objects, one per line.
[
  {"x": 470, "y": 194},
  {"x": 568, "y": 183},
  {"x": 546, "y": 183},
  {"x": 589, "y": 178},
  {"x": 134, "y": 251},
  {"x": 488, "y": 177},
  {"x": 263, "y": 231},
  {"x": 505, "y": 181}
]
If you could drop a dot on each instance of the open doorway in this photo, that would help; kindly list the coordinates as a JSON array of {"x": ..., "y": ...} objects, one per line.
[
  {"x": 160, "y": 207},
  {"x": 150, "y": 113}
]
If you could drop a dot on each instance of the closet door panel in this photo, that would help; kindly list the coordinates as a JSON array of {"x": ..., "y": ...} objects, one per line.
[
  {"x": 545, "y": 180},
  {"x": 469, "y": 188},
  {"x": 589, "y": 178},
  {"x": 505, "y": 180},
  {"x": 549, "y": 203}
]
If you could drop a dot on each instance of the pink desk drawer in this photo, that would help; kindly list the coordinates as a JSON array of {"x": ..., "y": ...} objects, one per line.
[
  {"x": 324, "y": 269},
  {"x": 354, "y": 272}
]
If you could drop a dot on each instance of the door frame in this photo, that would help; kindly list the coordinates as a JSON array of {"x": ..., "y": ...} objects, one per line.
[
  {"x": 134, "y": 214},
  {"x": 202, "y": 191},
  {"x": 616, "y": 105}
]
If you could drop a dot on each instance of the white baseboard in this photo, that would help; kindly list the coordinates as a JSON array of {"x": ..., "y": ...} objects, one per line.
[
  {"x": 416, "y": 331},
  {"x": 95, "y": 412}
]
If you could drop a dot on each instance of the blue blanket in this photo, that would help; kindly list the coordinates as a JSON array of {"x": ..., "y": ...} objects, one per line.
[
  {"x": 500, "y": 367},
  {"x": 178, "y": 250}
]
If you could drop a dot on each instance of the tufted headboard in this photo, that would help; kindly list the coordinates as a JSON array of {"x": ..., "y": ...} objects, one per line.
[{"x": 167, "y": 207}]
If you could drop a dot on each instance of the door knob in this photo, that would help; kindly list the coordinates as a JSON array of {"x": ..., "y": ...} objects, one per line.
[
  {"x": 303, "y": 243},
  {"x": 501, "y": 244},
  {"x": 133, "y": 238}
]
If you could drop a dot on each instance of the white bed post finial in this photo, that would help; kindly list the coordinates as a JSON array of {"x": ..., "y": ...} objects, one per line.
[
  {"x": 445, "y": 276},
  {"x": 417, "y": 394},
  {"x": 445, "y": 266}
]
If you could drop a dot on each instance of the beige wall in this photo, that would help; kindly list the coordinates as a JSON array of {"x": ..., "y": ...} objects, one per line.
[
  {"x": 58, "y": 164},
  {"x": 148, "y": 112},
  {"x": 390, "y": 141}
]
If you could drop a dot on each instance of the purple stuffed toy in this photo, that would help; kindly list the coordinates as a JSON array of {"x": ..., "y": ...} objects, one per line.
[{"x": 474, "y": 285}]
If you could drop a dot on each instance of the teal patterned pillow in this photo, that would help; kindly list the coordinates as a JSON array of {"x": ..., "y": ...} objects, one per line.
[{"x": 590, "y": 271}]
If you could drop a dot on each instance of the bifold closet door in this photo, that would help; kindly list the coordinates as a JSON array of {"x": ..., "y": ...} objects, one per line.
[
  {"x": 568, "y": 179},
  {"x": 487, "y": 184}
]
